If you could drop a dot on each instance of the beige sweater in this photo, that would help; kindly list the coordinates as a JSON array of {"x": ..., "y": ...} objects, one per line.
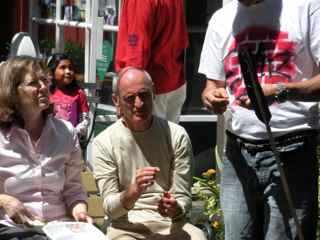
[{"x": 118, "y": 152}]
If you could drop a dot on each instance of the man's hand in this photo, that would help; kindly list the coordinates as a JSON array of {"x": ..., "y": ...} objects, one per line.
[
  {"x": 145, "y": 177},
  {"x": 215, "y": 97},
  {"x": 168, "y": 206},
  {"x": 269, "y": 91},
  {"x": 14, "y": 208}
]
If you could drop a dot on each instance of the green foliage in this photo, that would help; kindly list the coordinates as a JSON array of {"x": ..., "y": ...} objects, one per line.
[
  {"x": 7, "y": 46},
  {"x": 46, "y": 47},
  {"x": 207, "y": 189},
  {"x": 75, "y": 51}
]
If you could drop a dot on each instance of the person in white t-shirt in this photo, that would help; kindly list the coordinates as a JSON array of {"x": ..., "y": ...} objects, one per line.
[{"x": 283, "y": 37}]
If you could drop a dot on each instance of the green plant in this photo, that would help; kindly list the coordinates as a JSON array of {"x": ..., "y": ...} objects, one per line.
[
  {"x": 46, "y": 47},
  {"x": 207, "y": 189},
  {"x": 76, "y": 52}
]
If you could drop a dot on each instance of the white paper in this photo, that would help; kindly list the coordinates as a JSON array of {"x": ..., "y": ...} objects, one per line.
[{"x": 72, "y": 231}]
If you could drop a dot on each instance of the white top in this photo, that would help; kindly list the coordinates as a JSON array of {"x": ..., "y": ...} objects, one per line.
[
  {"x": 289, "y": 32},
  {"x": 45, "y": 177}
]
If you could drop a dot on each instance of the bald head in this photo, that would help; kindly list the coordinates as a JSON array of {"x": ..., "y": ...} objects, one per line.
[{"x": 129, "y": 75}]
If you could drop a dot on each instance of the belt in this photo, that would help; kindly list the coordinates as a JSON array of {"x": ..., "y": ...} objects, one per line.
[{"x": 283, "y": 140}]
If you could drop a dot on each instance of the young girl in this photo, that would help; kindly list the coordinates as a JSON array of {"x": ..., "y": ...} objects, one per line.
[{"x": 69, "y": 100}]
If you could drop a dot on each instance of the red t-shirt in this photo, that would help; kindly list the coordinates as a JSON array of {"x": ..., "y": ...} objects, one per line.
[
  {"x": 152, "y": 36},
  {"x": 69, "y": 106}
]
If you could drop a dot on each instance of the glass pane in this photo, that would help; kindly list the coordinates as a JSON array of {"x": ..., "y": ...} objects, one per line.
[
  {"x": 74, "y": 10},
  {"x": 105, "y": 67},
  {"x": 47, "y": 8},
  {"x": 46, "y": 39},
  {"x": 74, "y": 39},
  {"x": 74, "y": 45},
  {"x": 108, "y": 10}
]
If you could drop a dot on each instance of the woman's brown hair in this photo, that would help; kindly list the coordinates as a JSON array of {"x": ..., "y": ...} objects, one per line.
[{"x": 12, "y": 74}]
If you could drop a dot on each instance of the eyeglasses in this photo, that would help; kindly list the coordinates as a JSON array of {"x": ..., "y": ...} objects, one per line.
[
  {"x": 143, "y": 96},
  {"x": 36, "y": 82}
]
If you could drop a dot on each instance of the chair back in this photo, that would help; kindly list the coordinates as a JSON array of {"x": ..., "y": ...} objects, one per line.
[{"x": 23, "y": 45}]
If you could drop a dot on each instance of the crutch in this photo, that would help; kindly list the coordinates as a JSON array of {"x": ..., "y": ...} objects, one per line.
[{"x": 261, "y": 109}]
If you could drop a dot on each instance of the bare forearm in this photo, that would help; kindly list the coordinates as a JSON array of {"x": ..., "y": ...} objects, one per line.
[
  {"x": 308, "y": 90},
  {"x": 212, "y": 83}
]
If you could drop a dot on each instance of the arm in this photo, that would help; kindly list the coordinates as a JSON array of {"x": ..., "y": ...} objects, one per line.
[
  {"x": 306, "y": 91},
  {"x": 105, "y": 170},
  {"x": 83, "y": 110},
  {"x": 137, "y": 23},
  {"x": 117, "y": 202},
  {"x": 178, "y": 201},
  {"x": 214, "y": 96},
  {"x": 73, "y": 193},
  {"x": 15, "y": 210}
]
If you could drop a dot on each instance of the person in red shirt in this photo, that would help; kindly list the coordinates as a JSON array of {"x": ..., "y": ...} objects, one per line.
[{"x": 153, "y": 36}]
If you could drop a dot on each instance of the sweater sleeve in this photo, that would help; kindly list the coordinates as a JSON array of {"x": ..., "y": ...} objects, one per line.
[
  {"x": 182, "y": 179},
  {"x": 106, "y": 174}
]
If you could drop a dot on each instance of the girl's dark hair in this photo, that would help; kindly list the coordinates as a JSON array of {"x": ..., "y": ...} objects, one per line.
[{"x": 52, "y": 63}]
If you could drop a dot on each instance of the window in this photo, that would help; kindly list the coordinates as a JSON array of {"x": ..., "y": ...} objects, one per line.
[{"x": 74, "y": 26}]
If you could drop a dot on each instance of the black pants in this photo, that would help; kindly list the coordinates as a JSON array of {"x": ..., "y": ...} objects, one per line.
[{"x": 14, "y": 233}]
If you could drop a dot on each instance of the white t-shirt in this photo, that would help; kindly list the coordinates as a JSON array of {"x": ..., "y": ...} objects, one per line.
[{"x": 289, "y": 32}]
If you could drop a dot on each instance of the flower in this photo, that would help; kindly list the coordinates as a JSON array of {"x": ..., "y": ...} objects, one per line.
[
  {"x": 209, "y": 173},
  {"x": 215, "y": 224},
  {"x": 207, "y": 189}
]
